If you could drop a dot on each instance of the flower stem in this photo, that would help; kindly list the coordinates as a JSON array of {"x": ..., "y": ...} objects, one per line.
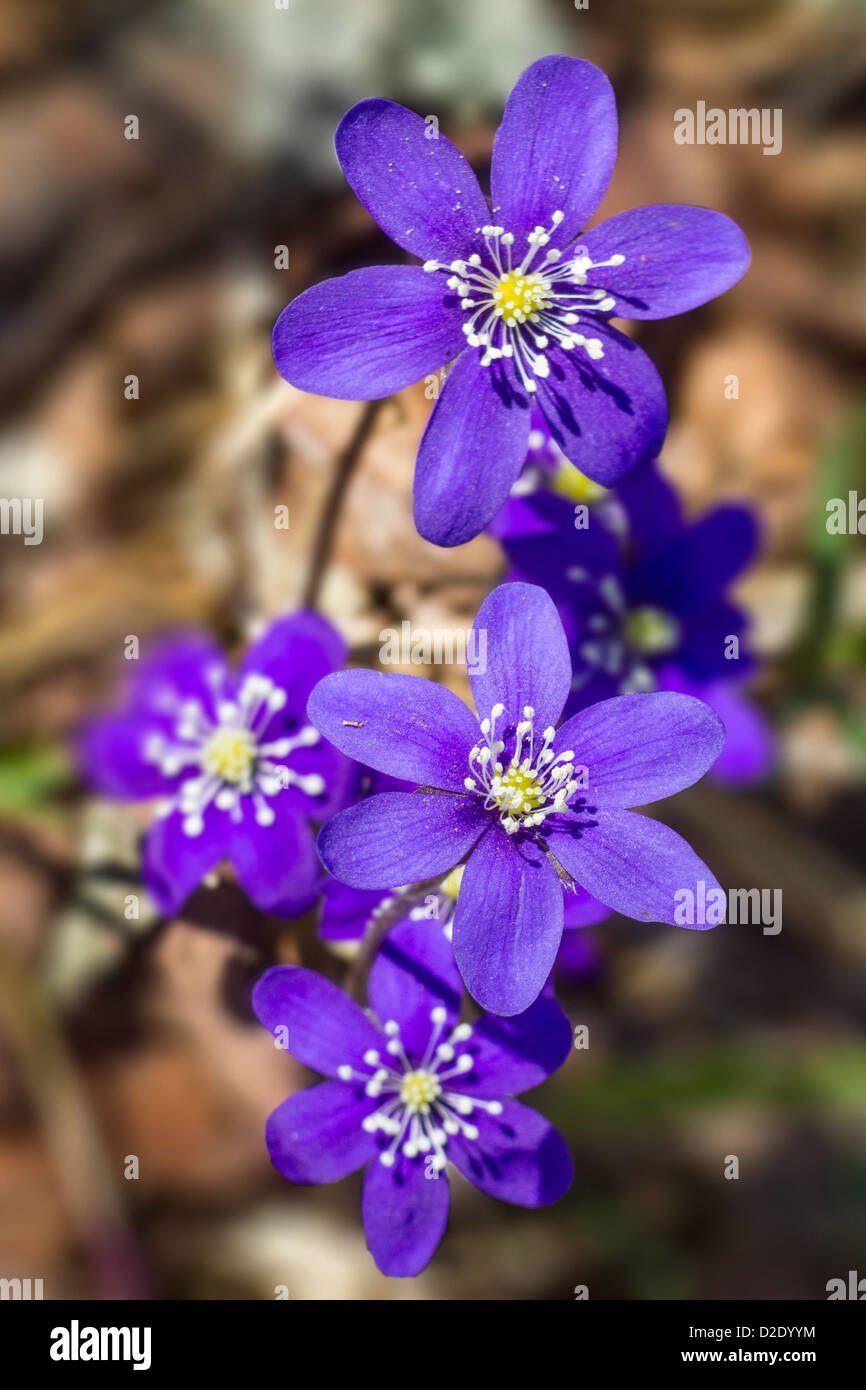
[
  {"x": 395, "y": 908},
  {"x": 331, "y": 511}
]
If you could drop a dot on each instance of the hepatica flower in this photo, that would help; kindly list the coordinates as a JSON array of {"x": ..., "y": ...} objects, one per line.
[
  {"x": 648, "y": 609},
  {"x": 412, "y": 1090},
  {"x": 517, "y": 292},
  {"x": 238, "y": 770},
  {"x": 526, "y": 806}
]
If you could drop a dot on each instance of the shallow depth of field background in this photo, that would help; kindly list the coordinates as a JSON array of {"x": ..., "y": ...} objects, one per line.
[{"x": 156, "y": 257}]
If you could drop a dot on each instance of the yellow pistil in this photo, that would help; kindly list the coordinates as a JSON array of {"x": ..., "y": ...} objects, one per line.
[
  {"x": 419, "y": 1090},
  {"x": 518, "y": 790},
  {"x": 230, "y": 754},
  {"x": 520, "y": 297}
]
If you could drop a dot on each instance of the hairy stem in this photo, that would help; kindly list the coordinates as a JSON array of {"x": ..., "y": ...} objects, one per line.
[{"x": 393, "y": 910}]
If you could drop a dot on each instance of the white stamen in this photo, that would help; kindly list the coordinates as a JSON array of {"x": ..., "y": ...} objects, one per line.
[
  {"x": 224, "y": 758},
  {"x": 536, "y": 783},
  {"x": 419, "y": 1112},
  {"x": 517, "y": 311}
]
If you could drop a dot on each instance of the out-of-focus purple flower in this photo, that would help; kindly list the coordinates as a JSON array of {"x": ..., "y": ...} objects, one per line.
[
  {"x": 749, "y": 749},
  {"x": 518, "y": 293},
  {"x": 547, "y": 469},
  {"x": 412, "y": 1090},
  {"x": 238, "y": 769},
  {"x": 647, "y": 610},
  {"x": 526, "y": 806}
]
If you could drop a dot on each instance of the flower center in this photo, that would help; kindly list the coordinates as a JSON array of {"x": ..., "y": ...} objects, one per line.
[
  {"x": 516, "y": 312},
  {"x": 419, "y": 1090},
  {"x": 520, "y": 297},
  {"x": 230, "y": 754},
  {"x": 535, "y": 784},
  {"x": 518, "y": 788},
  {"x": 421, "y": 1109},
  {"x": 222, "y": 761},
  {"x": 622, "y": 642},
  {"x": 651, "y": 630}
]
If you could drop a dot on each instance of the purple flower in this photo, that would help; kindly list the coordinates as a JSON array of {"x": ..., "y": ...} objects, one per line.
[
  {"x": 238, "y": 769},
  {"x": 519, "y": 295},
  {"x": 647, "y": 609},
  {"x": 526, "y": 806},
  {"x": 413, "y": 1091}
]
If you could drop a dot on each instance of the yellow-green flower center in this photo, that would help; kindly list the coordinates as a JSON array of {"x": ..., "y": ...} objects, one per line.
[
  {"x": 230, "y": 755},
  {"x": 502, "y": 297},
  {"x": 651, "y": 630},
  {"x": 519, "y": 790},
  {"x": 418, "y": 1091},
  {"x": 520, "y": 297},
  {"x": 537, "y": 782}
]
